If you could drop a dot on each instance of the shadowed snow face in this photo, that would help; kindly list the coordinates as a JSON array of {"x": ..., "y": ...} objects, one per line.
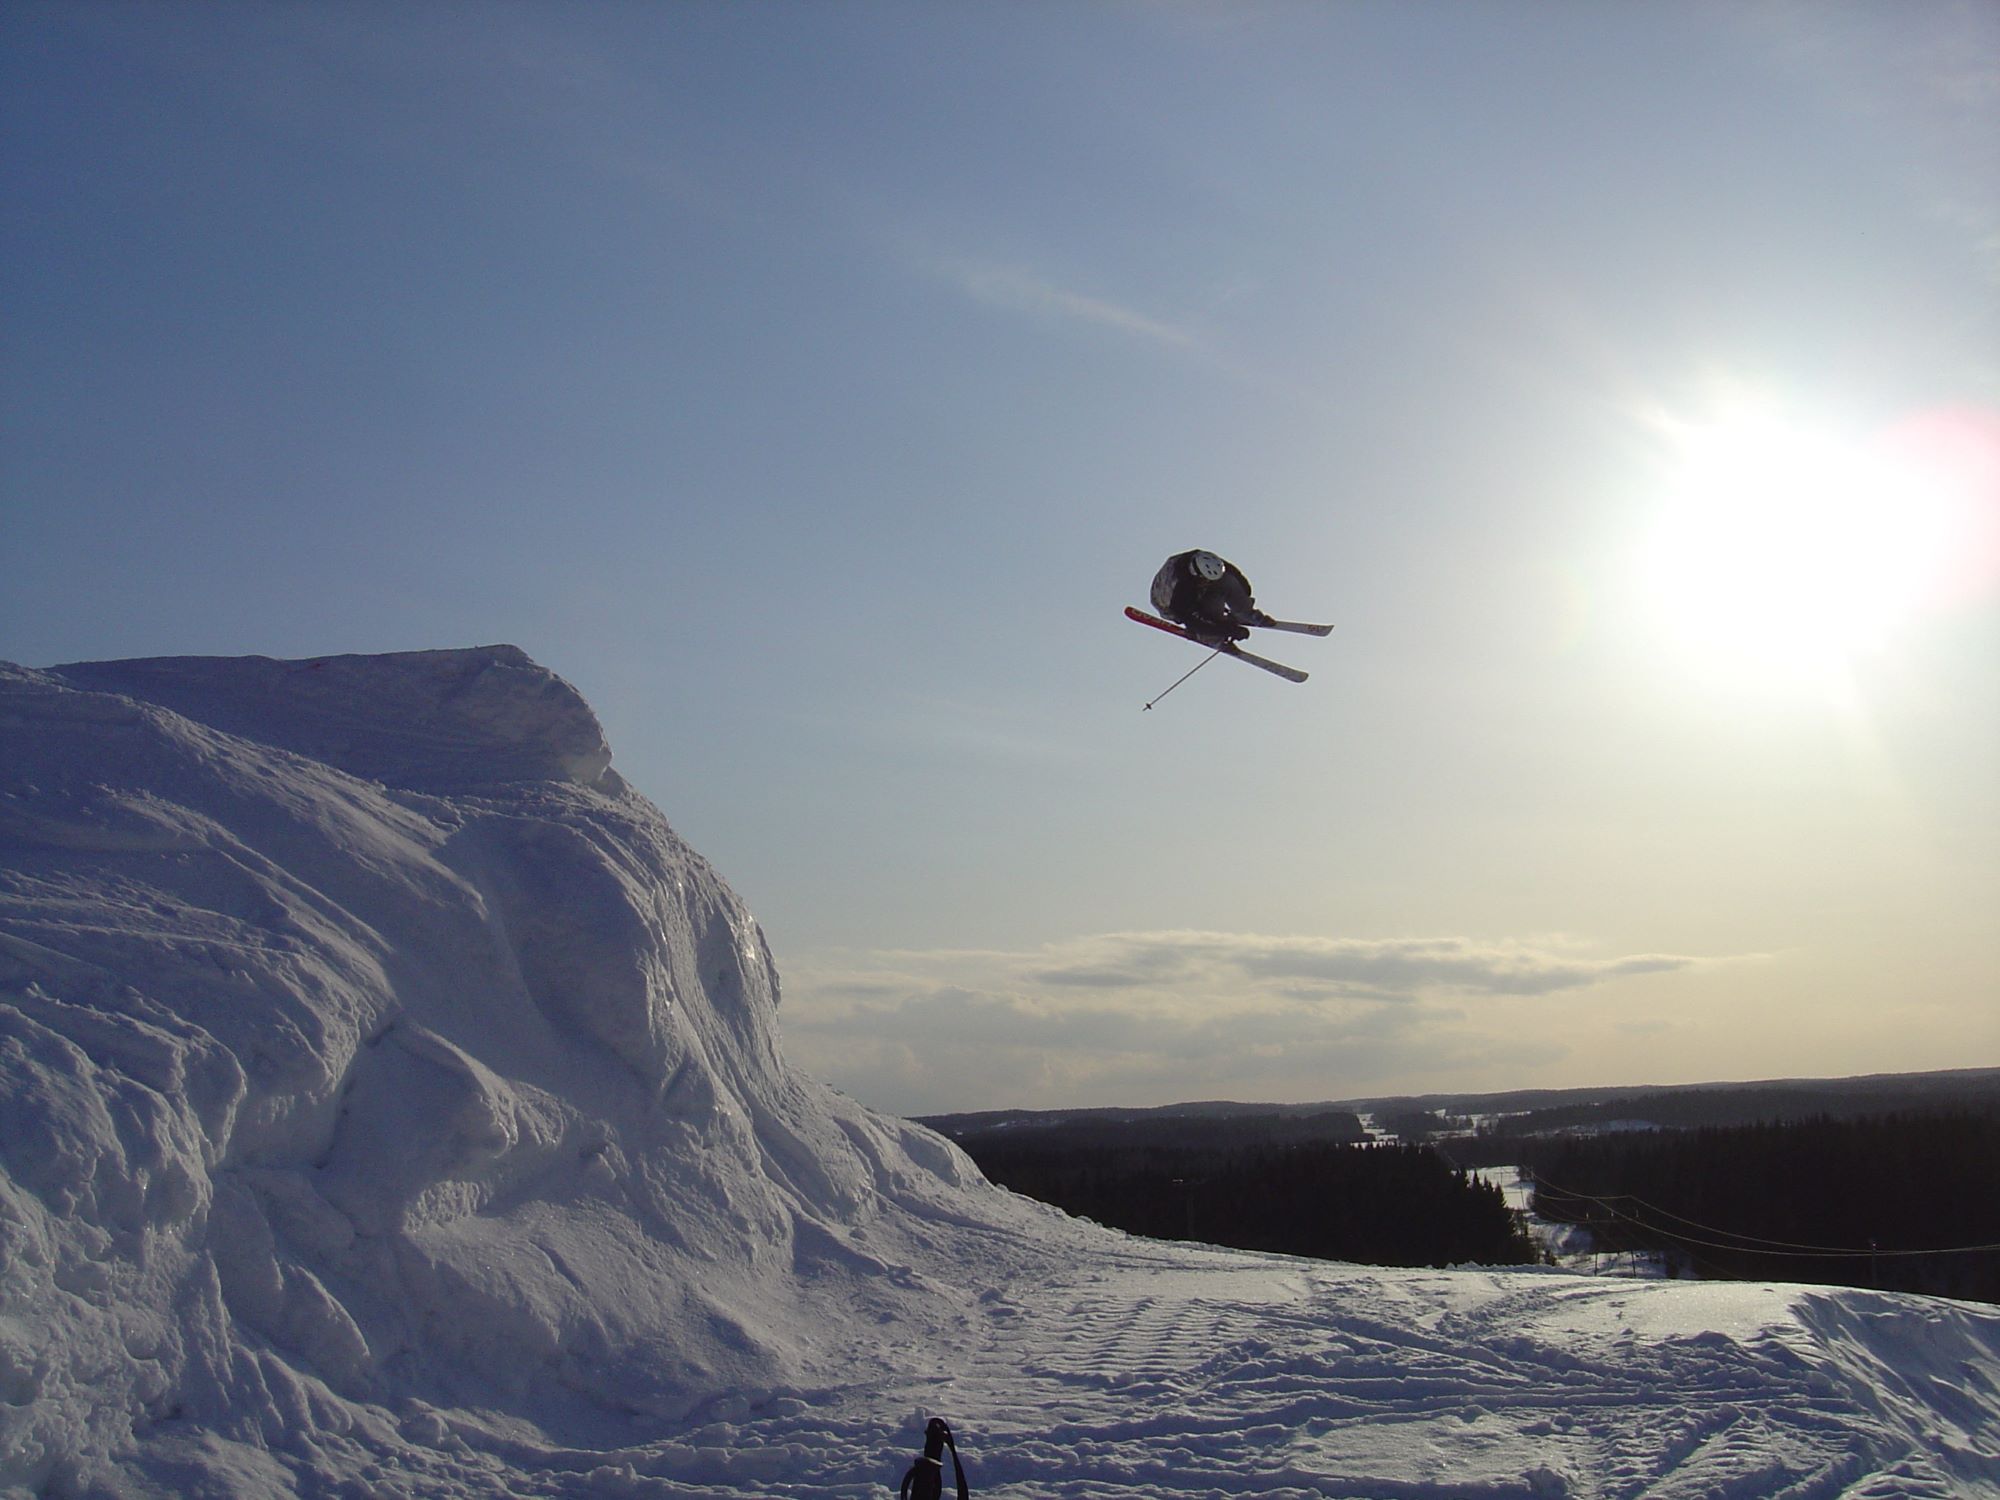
[{"x": 359, "y": 1014}]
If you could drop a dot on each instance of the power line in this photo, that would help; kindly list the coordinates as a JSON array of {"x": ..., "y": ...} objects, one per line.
[{"x": 1782, "y": 1248}]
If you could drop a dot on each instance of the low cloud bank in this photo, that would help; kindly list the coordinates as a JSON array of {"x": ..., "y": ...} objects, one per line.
[{"x": 1152, "y": 1017}]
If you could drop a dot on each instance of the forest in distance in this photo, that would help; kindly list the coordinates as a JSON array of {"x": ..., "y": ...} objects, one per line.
[
  {"x": 1526, "y": 1112},
  {"x": 1390, "y": 1205},
  {"x": 1890, "y": 1182},
  {"x": 1906, "y": 1202}
]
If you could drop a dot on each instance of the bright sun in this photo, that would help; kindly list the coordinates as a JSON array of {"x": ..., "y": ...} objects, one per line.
[{"x": 1786, "y": 552}]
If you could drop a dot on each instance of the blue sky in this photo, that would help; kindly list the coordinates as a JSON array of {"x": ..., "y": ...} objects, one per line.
[{"x": 813, "y": 384}]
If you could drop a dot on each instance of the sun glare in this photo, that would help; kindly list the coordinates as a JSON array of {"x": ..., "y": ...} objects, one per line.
[{"x": 1787, "y": 552}]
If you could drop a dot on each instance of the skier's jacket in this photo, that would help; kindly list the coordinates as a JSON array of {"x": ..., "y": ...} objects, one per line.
[{"x": 1184, "y": 596}]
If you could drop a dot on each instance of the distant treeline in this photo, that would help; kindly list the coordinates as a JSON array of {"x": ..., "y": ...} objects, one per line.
[
  {"x": 1103, "y": 1130},
  {"x": 1689, "y": 1108},
  {"x": 1504, "y": 1141},
  {"x": 1853, "y": 1202},
  {"x": 1385, "y": 1205}
]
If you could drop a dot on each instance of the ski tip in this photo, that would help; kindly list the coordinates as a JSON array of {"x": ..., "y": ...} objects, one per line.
[
  {"x": 1297, "y": 627},
  {"x": 1275, "y": 668}
]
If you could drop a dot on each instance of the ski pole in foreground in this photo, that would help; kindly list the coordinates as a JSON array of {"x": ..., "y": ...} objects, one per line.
[
  {"x": 925, "y": 1481},
  {"x": 1183, "y": 678}
]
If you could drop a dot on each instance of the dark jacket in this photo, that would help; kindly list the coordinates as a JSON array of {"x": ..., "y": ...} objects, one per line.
[{"x": 1187, "y": 598}]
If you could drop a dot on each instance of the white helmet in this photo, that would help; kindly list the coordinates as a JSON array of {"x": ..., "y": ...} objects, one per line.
[{"x": 1209, "y": 566}]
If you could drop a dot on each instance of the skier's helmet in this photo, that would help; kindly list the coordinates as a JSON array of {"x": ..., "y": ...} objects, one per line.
[{"x": 1209, "y": 566}]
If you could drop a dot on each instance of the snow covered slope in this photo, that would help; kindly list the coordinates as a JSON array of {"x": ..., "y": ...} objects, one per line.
[
  {"x": 390, "y": 1103},
  {"x": 370, "y": 1047}
]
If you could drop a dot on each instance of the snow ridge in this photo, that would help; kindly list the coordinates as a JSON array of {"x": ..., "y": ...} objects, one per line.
[
  {"x": 370, "y": 1047},
  {"x": 421, "y": 720},
  {"x": 392, "y": 1104}
]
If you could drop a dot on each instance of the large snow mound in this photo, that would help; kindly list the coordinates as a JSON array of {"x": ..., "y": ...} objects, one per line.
[
  {"x": 392, "y": 1104},
  {"x": 367, "y": 1045}
]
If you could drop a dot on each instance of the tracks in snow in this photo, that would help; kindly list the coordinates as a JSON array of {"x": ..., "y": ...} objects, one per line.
[
  {"x": 1285, "y": 1378},
  {"x": 1174, "y": 1372}
]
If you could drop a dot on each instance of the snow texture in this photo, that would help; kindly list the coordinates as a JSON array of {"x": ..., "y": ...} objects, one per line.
[{"x": 391, "y": 1104}]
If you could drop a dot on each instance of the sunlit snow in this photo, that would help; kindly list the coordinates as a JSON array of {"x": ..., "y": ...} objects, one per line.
[{"x": 391, "y": 1104}]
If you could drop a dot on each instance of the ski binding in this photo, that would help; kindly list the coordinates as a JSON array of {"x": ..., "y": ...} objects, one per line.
[{"x": 1227, "y": 648}]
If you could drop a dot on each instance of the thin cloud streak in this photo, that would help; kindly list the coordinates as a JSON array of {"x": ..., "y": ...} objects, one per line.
[
  {"x": 1391, "y": 967},
  {"x": 1020, "y": 290}
]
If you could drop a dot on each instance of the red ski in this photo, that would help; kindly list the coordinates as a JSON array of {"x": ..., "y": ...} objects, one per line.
[{"x": 1276, "y": 668}]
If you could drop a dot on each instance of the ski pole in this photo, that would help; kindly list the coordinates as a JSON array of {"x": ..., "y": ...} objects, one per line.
[{"x": 1183, "y": 678}]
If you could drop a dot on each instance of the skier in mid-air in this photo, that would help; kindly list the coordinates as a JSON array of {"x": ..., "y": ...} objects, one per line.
[
  {"x": 1206, "y": 599},
  {"x": 1208, "y": 595}
]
